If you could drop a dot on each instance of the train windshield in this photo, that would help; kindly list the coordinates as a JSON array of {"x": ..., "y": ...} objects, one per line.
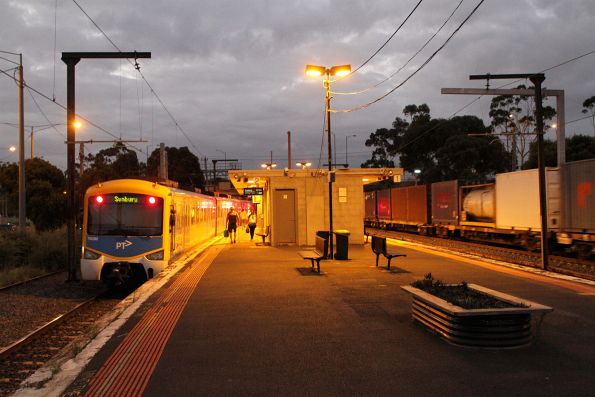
[{"x": 125, "y": 214}]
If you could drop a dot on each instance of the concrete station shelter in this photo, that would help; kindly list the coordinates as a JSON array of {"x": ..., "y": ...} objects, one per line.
[{"x": 294, "y": 202}]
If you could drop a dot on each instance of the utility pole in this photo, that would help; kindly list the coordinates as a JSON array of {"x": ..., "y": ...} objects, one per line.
[
  {"x": 288, "y": 150},
  {"x": 536, "y": 79},
  {"x": 22, "y": 208},
  {"x": 71, "y": 59}
]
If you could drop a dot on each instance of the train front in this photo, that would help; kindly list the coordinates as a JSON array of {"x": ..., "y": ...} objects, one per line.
[{"x": 125, "y": 232}]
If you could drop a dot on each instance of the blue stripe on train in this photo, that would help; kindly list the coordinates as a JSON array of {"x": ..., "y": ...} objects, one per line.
[{"x": 124, "y": 246}]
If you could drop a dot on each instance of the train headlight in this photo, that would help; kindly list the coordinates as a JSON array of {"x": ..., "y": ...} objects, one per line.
[
  {"x": 155, "y": 256},
  {"x": 90, "y": 254}
]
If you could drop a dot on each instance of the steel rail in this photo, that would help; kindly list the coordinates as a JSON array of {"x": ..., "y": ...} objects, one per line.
[
  {"x": 9, "y": 286},
  {"x": 6, "y": 351}
]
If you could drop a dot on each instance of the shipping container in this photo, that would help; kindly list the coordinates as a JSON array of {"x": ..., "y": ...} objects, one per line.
[
  {"x": 445, "y": 202},
  {"x": 383, "y": 205},
  {"x": 370, "y": 206},
  {"x": 410, "y": 205},
  {"x": 579, "y": 195},
  {"x": 517, "y": 200}
]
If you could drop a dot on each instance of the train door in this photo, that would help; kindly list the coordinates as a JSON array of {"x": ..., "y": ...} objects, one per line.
[{"x": 284, "y": 216}]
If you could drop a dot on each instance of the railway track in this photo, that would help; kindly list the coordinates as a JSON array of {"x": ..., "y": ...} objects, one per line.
[
  {"x": 31, "y": 280},
  {"x": 23, "y": 357},
  {"x": 564, "y": 265}
]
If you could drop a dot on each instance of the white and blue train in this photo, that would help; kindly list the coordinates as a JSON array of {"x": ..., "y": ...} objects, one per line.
[{"x": 133, "y": 228}]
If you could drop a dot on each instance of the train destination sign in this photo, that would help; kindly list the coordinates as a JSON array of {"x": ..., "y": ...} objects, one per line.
[
  {"x": 253, "y": 191},
  {"x": 125, "y": 199}
]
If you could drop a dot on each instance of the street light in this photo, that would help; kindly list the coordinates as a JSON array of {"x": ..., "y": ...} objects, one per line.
[
  {"x": 319, "y": 71},
  {"x": 416, "y": 172},
  {"x": 347, "y": 136},
  {"x": 269, "y": 166},
  {"x": 303, "y": 164}
]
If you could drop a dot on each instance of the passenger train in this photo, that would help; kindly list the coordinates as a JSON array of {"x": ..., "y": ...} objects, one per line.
[
  {"x": 133, "y": 228},
  {"x": 506, "y": 211}
]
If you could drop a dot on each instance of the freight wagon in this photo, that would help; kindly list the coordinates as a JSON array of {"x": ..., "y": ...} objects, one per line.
[{"x": 505, "y": 211}]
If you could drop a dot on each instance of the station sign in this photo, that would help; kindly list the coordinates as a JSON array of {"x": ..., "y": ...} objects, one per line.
[{"x": 253, "y": 191}]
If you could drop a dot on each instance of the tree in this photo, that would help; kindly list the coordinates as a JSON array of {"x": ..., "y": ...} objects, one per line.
[
  {"x": 383, "y": 140},
  {"x": 441, "y": 149},
  {"x": 183, "y": 167},
  {"x": 44, "y": 195},
  {"x": 115, "y": 162},
  {"x": 513, "y": 117},
  {"x": 589, "y": 107},
  {"x": 578, "y": 147}
]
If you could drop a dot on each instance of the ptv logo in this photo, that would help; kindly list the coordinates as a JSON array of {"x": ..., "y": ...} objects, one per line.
[{"x": 123, "y": 244}]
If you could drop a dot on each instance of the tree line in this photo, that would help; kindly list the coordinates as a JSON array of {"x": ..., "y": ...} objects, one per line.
[
  {"x": 464, "y": 148},
  {"x": 45, "y": 195}
]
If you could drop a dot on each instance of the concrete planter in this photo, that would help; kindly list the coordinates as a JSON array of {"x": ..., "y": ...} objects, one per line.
[{"x": 487, "y": 328}]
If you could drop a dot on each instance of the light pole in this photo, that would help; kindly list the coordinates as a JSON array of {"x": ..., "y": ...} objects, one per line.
[
  {"x": 318, "y": 71},
  {"x": 347, "y": 136},
  {"x": 416, "y": 172}
]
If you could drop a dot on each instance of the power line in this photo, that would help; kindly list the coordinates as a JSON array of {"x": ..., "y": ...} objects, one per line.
[
  {"x": 409, "y": 60},
  {"x": 51, "y": 125},
  {"x": 502, "y": 86},
  {"x": 64, "y": 108},
  {"x": 417, "y": 70},
  {"x": 389, "y": 39},
  {"x": 137, "y": 67}
]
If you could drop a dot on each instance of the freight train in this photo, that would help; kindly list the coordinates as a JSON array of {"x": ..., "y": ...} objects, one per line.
[
  {"x": 133, "y": 228},
  {"x": 505, "y": 211}
]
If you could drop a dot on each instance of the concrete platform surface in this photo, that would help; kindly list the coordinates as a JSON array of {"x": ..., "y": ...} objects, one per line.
[{"x": 254, "y": 321}]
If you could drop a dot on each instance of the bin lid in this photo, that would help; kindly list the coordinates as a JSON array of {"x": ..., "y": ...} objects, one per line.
[{"x": 342, "y": 231}]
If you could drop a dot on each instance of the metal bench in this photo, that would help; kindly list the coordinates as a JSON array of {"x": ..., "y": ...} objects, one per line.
[
  {"x": 264, "y": 234},
  {"x": 321, "y": 252},
  {"x": 379, "y": 247}
]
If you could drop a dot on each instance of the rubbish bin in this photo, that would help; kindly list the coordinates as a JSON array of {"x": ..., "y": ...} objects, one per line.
[
  {"x": 322, "y": 233},
  {"x": 342, "y": 240}
]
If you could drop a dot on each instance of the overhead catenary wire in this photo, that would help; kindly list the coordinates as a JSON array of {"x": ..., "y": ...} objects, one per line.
[
  {"x": 416, "y": 71},
  {"x": 389, "y": 39},
  {"x": 51, "y": 125},
  {"x": 409, "y": 60},
  {"x": 86, "y": 120},
  {"x": 135, "y": 65},
  {"x": 420, "y": 135}
]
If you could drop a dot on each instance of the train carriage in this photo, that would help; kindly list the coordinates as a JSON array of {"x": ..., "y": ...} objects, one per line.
[{"x": 133, "y": 228}]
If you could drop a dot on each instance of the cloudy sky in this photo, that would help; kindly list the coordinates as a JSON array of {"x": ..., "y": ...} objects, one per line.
[{"x": 231, "y": 73}]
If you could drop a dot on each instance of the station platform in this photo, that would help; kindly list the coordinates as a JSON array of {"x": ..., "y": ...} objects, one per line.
[{"x": 251, "y": 320}]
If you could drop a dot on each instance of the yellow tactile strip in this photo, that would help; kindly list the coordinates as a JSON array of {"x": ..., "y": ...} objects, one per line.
[{"x": 128, "y": 369}]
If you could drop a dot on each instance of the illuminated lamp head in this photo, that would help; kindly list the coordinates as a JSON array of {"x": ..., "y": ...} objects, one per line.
[
  {"x": 152, "y": 200},
  {"x": 99, "y": 199}
]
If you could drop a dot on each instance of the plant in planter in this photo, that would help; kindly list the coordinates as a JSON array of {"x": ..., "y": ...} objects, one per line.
[{"x": 471, "y": 315}]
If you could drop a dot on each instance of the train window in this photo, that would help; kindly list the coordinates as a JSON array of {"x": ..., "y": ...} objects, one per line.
[{"x": 125, "y": 214}]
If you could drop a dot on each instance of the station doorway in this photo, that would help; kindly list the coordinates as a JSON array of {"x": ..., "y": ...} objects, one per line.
[{"x": 284, "y": 216}]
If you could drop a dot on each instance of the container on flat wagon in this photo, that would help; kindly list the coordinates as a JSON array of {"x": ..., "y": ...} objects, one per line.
[
  {"x": 477, "y": 205},
  {"x": 517, "y": 200},
  {"x": 579, "y": 196},
  {"x": 410, "y": 204},
  {"x": 383, "y": 204},
  {"x": 445, "y": 203},
  {"x": 370, "y": 206}
]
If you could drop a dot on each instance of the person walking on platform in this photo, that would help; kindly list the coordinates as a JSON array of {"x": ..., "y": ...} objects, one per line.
[
  {"x": 231, "y": 223},
  {"x": 252, "y": 224}
]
